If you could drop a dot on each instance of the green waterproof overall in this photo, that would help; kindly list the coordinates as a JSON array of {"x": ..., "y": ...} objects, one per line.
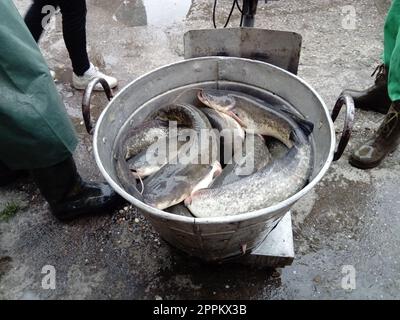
[
  {"x": 35, "y": 131},
  {"x": 391, "y": 54}
]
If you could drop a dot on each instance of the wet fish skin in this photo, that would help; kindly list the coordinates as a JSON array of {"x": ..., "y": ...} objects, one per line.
[
  {"x": 219, "y": 100},
  {"x": 184, "y": 114},
  {"x": 154, "y": 157},
  {"x": 133, "y": 141},
  {"x": 175, "y": 183},
  {"x": 222, "y": 121},
  {"x": 180, "y": 210},
  {"x": 257, "y": 158},
  {"x": 190, "y": 117},
  {"x": 139, "y": 138},
  {"x": 141, "y": 167},
  {"x": 257, "y": 116},
  {"x": 276, "y": 148},
  {"x": 274, "y": 183},
  {"x": 231, "y": 132},
  {"x": 157, "y": 126}
]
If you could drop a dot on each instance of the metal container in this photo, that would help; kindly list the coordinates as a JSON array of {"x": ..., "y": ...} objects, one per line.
[
  {"x": 280, "y": 48},
  {"x": 213, "y": 239}
]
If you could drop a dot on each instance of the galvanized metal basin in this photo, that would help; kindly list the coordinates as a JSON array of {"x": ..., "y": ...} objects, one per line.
[{"x": 219, "y": 238}]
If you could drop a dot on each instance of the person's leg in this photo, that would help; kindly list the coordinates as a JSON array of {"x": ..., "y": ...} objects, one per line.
[
  {"x": 392, "y": 50},
  {"x": 391, "y": 30},
  {"x": 376, "y": 98},
  {"x": 34, "y": 17},
  {"x": 386, "y": 139},
  {"x": 69, "y": 196},
  {"x": 74, "y": 32},
  {"x": 35, "y": 132}
]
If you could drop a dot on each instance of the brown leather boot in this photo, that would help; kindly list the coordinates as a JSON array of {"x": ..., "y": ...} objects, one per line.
[
  {"x": 386, "y": 139},
  {"x": 375, "y": 98}
]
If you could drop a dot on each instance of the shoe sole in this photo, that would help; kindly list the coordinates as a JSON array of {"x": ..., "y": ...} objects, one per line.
[
  {"x": 362, "y": 165},
  {"x": 108, "y": 209}
]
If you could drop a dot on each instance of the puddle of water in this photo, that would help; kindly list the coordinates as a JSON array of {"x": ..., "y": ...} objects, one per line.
[
  {"x": 135, "y": 13},
  {"x": 167, "y": 13}
]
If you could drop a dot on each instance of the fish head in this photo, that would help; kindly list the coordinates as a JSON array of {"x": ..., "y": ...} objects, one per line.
[
  {"x": 214, "y": 99},
  {"x": 174, "y": 113}
]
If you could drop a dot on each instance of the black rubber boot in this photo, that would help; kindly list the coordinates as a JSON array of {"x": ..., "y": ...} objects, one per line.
[
  {"x": 386, "y": 139},
  {"x": 375, "y": 98},
  {"x": 69, "y": 197},
  {"x": 8, "y": 176}
]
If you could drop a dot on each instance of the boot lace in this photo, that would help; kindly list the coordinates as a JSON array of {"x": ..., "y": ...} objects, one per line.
[
  {"x": 389, "y": 124},
  {"x": 380, "y": 71}
]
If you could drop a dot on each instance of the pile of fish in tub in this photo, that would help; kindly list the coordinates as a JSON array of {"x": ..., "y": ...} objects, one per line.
[{"x": 231, "y": 154}]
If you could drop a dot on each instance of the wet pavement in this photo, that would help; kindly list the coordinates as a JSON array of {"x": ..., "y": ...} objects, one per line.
[{"x": 350, "y": 221}]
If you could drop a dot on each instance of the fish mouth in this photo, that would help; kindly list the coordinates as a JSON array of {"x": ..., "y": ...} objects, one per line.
[
  {"x": 205, "y": 183},
  {"x": 203, "y": 97},
  {"x": 228, "y": 110}
]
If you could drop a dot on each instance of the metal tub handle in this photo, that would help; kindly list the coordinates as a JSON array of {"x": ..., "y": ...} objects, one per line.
[
  {"x": 344, "y": 100},
  {"x": 87, "y": 96}
]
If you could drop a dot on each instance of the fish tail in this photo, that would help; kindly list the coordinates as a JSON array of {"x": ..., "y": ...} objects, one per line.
[
  {"x": 297, "y": 137},
  {"x": 306, "y": 126}
]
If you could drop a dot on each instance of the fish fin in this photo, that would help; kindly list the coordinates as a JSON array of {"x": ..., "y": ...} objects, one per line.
[
  {"x": 188, "y": 201},
  {"x": 126, "y": 179},
  {"x": 141, "y": 182},
  {"x": 263, "y": 138},
  {"x": 231, "y": 106},
  {"x": 235, "y": 117},
  {"x": 205, "y": 183},
  {"x": 306, "y": 126},
  {"x": 244, "y": 248}
]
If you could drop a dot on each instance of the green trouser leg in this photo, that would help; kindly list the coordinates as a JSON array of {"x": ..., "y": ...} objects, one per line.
[
  {"x": 35, "y": 130},
  {"x": 371, "y": 153},
  {"x": 392, "y": 50}
]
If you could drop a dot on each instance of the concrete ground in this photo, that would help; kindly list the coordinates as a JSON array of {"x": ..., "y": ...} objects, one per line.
[{"x": 351, "y": 218}]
